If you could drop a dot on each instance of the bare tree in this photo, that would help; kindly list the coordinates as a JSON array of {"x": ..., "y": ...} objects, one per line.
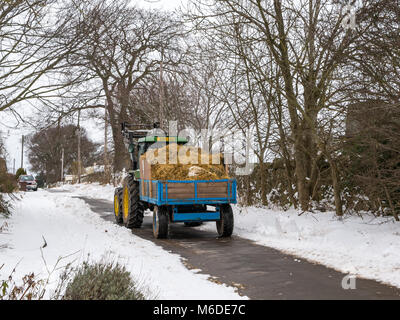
[
  {"x": 29, "y": 58},
  {"x": 45, "y": 149},
  {"x": 307, "y": 46},
  {"x": 120, "y": 49}
]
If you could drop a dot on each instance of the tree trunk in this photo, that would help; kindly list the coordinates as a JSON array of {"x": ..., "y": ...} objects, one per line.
[
  {"x": 121, "y": 156},
  {"x": 289, "y": 178},
  {"x": 301, "y": 175},
  {"x": 248, "y": 196},
  {"x": 263, "y": 184},
  {"x": 336, "y": 187}
]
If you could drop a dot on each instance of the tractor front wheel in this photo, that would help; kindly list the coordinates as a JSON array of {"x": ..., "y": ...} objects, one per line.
[
  {"x": 225, "y": 223},
  {"x": 160, "y": 222},
  {"x": 118, "y": 192},
  {"x": 132, "y": 207}
]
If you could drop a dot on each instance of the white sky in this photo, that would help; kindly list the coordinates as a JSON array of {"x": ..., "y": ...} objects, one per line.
[{"x": 12, "y": 133}]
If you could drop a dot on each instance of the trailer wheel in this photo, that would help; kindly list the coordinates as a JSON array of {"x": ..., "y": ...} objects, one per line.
[
  {"x": 132, "y": 206},
  {"x": 160, "y": 223},
  {"x": 225, "y": 224},
  {"x": 118, "y": 192}
]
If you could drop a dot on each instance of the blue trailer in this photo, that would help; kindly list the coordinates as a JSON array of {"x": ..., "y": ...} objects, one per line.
[
  {"x": 172, "y": 201},
  {"x": 191, "y": 202}
]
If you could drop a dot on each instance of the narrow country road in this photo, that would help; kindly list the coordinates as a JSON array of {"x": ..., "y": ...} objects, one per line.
[{"x": 257, "y": 271}]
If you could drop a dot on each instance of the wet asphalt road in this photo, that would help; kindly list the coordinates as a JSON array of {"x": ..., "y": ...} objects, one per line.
[{"x": 257, "y": 271}]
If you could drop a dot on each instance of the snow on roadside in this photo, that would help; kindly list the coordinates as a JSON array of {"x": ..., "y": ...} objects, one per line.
[
  {"x": 365, "y": 246},
  {"x": 93, "y": 190},
  {"x": 69, "y": 226}
]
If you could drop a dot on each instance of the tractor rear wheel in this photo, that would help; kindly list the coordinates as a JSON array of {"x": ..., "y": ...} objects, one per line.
[
  {"x": 132, "y": 207},
  {"x": 118, "y": 192},
  {"x": 225, "y": 223},
  {"x": 160, "y": 222}
]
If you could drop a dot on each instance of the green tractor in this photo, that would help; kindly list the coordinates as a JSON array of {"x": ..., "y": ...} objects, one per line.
[{"x": 171, "y": 201}]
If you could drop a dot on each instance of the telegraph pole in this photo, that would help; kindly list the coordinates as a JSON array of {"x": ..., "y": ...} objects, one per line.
[
  {"x": 62, "y": 164},
  {"x": 79, "y": 147},
  {"x": 106, "y": 173},
  {"x": 22, "y": 151},
  {"x": 161, "y": 97}
]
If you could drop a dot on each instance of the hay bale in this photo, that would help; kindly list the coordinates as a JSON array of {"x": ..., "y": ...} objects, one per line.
[{"x": 177, "y": 162}]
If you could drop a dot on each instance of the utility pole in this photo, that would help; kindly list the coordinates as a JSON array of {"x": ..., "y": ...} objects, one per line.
[
  {"x": 22, "y": 151},
  {"x": 106, "y": 173},
  {"x": 161, "y": 97},
  {"x": 79, "y": 147},
  {"x": 62, "y": 164}
]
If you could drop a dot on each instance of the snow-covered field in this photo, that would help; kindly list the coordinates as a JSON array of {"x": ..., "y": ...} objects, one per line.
[
  {"x": 365, "y": 246},
  {"x": 73, "y": 231}
]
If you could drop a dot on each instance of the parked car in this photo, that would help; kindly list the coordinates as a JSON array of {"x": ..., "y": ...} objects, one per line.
[{"x": 27, "y": 182}]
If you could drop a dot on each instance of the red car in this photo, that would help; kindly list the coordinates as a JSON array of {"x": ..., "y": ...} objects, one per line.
[{"x": 27, "y": 182}]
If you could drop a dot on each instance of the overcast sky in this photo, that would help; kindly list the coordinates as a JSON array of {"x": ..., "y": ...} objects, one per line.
[{"x": 8, "y": 125}]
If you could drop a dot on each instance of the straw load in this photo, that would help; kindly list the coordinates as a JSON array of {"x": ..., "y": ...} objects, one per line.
[{"x": 179, "y": 162}]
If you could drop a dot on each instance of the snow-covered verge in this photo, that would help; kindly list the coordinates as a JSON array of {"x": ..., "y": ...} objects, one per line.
[
  {"x": 72, "y": 230},
  {"x": 94, "y": 190},
  {"x": 366, "y": 246}
]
